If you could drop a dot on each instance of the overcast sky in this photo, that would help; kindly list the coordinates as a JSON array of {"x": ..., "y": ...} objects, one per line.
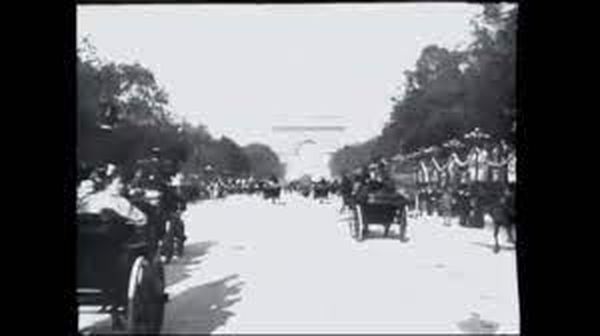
[{"x": 241, "y": 69}]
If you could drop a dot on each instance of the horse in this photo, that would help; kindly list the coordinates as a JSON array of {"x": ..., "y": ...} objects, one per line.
[
  {"x": 345, "y": 190},
  {"x": 499, "y": 203},
  {"x": 503, "y": 213}
]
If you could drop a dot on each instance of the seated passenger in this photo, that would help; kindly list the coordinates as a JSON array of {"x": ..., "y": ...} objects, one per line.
[{"x": 109, "y": 201}]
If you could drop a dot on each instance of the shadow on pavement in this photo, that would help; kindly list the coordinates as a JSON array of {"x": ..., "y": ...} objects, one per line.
[
  {"x": 376, "y": 231},
  {"x": 178, "y": 270},
  {"x": 347, "y": 216},
  {"x": 475, "y": 325},
  {"x": 102, "y": 327},
  {"x": 203, "y": 309},
  {"x": 503, "y": 247}
]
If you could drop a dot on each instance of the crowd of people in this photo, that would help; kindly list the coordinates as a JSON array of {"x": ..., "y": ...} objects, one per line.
[
  {"x": 468, "y": 188},
  {"x": 220, "y": 186}
]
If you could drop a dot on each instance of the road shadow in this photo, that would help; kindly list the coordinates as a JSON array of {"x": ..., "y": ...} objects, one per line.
[
  {"x": 199, "y": 310},
  {"x": 379, "y": 233},
  {"x": 476, "y": 325},
  {"x": 102, "y": 327},
  {"x": 204, "y": 308},
  {"x": 178, "y": 270},
  {"x": 345, "y": 215},
  {"x": 503, "y": 247}
]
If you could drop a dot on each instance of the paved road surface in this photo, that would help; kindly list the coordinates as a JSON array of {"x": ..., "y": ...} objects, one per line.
[{"x": 256, "y": 267}]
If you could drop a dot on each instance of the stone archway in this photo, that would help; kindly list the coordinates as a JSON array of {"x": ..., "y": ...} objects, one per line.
[{"x": 306, "y": 147}]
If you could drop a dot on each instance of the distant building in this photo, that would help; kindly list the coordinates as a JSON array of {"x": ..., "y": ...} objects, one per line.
[{"x": 306, "y": 145}]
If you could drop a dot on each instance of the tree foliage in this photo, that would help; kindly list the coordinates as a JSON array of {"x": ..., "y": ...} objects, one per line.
[
  {"x": 122, "y": 114},
  {"x": 450, "y": 92},
  {"x": 264, "y": 162}
]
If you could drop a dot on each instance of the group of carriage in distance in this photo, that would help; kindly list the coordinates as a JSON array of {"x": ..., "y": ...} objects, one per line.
[
  {"x": 320, "y": 189},
  {"x": 201, "y": 188}
]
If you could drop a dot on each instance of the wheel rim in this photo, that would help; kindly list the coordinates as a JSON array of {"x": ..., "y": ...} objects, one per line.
[
  {"x": 352, "y": 225},
  {"x": 168, "y": 244},
  {"x": 360, "y": 222},
  {"x": 156, "y": 299},
  {"x": 180, "y": 247},
  {"x": 137, "y": 295}
]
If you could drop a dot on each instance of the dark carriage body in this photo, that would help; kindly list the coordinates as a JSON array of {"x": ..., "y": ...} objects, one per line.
[
  {"x": 99, "y": 244},
  {"x": 272, "y": 193},
  {"x": 118, "y": 267},
  {"x": 320, "y": 191},
  {"x": 379, "y": 208}
]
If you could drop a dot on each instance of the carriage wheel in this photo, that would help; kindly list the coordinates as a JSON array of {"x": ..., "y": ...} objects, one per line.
[
  {"x": 159, "y": 268},
  {"x": 158, "y": 298},
  {"x": 168, "y": 243},
  {"x": 352, "y": 224},
  {"x": 180, "y": 247},
  {"x": 402, "y": 221},
  {"x": 355, "y": 223},
  {"x": 361, "y": 225},
  {"x": 138, "y": 297}
]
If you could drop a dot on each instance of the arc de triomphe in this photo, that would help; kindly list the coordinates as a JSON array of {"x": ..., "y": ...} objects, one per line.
[{"x": 307, "y": 146}]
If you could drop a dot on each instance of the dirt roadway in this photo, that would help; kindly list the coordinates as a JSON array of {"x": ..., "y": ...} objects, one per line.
[{"x": 256, "y": 267}]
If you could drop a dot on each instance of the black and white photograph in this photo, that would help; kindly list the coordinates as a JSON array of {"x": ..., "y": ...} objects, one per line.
[{"x": 308, "y": 168}]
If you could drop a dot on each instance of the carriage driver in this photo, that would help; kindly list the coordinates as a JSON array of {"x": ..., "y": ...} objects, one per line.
[{"x": 273, "y": 181}]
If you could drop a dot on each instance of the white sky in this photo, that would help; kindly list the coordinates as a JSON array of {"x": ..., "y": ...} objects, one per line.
[{"x": 241, "y": 69}]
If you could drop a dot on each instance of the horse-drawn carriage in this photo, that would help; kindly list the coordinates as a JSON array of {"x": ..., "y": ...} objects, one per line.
[
  {"x": 321, "y": 191},
  {"x": 119, "y": 269},
  {"x": 272, "y": 192},
  {"x": 382, "y": 207}
]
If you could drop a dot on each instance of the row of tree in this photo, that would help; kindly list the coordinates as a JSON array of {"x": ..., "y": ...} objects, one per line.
[
  {"x": 450, "y": 92},
  {"x": 122, "y": 113}
]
